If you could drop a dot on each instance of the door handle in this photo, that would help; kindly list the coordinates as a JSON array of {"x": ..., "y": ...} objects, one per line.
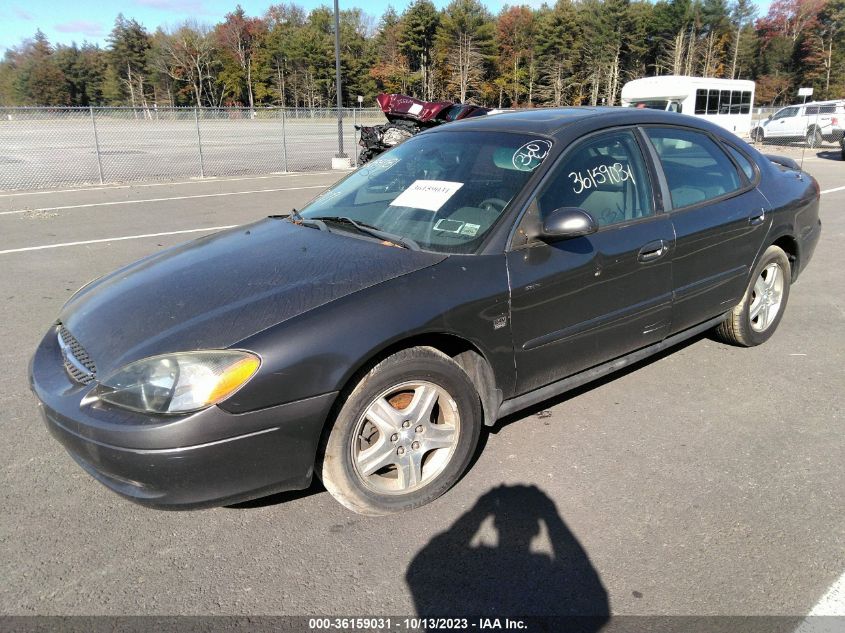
[
  {"x": 757, "y": 219},
  {"x": 653, "y": 250}
]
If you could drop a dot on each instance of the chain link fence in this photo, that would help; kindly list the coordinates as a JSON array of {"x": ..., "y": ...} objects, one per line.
[
  {"x": 45, "y": 147},
  {"x": 800, "y": 131}
]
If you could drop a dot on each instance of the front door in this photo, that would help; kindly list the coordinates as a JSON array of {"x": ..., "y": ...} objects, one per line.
[
  {"x": 783, "y": 124},
  {"x": 578, "y": 302}
]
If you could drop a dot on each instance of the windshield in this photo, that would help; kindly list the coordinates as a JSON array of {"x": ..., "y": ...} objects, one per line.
[{"x": 444, "y": 191}]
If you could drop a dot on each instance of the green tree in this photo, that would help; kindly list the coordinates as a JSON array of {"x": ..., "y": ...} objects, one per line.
[
  {"x": 464, "y": 48},
  {"x": 419, "y": 26},
  {"x": 129, "y": 45},
  {"x": 558, "y": 48},
  {"x": 38, "y": 80}
]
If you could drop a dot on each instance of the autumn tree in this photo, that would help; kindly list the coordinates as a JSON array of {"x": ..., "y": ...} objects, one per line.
[
  {"x": 515, "y": 34},
  {"x": 238, "y": 37}
]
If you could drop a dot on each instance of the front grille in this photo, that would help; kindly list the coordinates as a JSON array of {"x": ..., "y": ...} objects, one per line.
[{"x": 78, "y": 364}]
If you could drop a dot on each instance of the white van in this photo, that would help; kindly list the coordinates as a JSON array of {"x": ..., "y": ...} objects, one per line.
[{"x": 726, "y": 102}]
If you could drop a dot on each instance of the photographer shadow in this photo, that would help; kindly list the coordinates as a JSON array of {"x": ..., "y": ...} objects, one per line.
[{"x": 511, "y": 555}]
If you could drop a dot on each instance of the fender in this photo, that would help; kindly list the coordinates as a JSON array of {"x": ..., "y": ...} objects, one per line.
[{"x": 321, "y": 350}]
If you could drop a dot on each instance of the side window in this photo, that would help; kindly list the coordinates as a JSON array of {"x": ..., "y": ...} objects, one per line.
[
  {"x": 606, "y": 176},
  {"x": 700, "y": 101},
  {"x": 713, "y": 102},
  {"x": 742, "y": 161},
  {"x": 696, "y": 168},
  {"x": 725, "y": 102}
]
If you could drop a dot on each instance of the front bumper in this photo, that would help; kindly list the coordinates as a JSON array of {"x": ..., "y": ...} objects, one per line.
[{"x": 208, "y": 458}]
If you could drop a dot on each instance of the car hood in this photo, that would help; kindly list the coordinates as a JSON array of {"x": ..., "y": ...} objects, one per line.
[{"x": 222, "y": 288}]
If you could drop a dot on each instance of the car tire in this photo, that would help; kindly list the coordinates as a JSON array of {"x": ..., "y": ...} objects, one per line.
[
  {"x": 403, "y": 435},
  {"x": 814, "y": 138},
  {"x": 757, "y": 135},
  {"x": 757, "y": 316}
]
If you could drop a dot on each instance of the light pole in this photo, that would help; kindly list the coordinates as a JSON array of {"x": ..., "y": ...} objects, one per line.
[{"x": 341, "y": 160}]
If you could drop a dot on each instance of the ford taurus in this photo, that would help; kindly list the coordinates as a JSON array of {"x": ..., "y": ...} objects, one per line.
[{"x": 476, "y": 269}]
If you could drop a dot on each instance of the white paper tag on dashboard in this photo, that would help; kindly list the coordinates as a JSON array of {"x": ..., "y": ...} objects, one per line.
[{"x": 427, "y": 194}]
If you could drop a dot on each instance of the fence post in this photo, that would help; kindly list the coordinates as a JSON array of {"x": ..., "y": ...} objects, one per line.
[
  {"x": 355, "y": 135},
  {"x": 96, "y": 144},
  {"x": 284, "y": 140},
  {"x": 199, "y": 142}
]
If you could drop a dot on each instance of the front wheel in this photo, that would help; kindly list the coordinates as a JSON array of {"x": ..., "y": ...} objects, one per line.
[
  {"x": 757, "y": 316},
  {"x": 403, "y": 436},
  {"x": 757, "y": 135}
]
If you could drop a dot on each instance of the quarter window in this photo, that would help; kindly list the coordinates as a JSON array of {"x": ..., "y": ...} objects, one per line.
[
  {"x": 605, "y": 176},
  {"x": 742, "y": 161},
  {"x": 696, "y": 168}
]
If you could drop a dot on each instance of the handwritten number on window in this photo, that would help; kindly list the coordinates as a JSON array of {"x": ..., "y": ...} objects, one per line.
[{"x": 592, "y": 178}]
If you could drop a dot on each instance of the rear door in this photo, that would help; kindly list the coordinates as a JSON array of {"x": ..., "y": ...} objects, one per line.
[
  {"x": 578, "y": 302},
  {"x": 719, "y": 218}
]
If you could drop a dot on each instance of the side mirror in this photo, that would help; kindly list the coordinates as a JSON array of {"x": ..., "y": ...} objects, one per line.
[
  {"x": 769, "y": 118},
  {"x": 568, "y": 222}
]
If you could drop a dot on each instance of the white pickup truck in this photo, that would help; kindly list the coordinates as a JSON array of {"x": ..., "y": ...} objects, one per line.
[{"x": 815, "y": 121}]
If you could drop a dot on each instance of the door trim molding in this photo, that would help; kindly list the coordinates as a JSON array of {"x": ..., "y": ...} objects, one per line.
[{"x": 576, "y": 380}]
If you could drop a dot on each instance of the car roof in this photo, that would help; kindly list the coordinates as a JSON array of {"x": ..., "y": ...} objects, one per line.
[
  {"x": 836, "y": 102},
  {"x": 555, "y": 121}
]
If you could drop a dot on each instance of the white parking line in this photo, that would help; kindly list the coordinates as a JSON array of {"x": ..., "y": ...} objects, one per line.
[
  {"x": 201, "y": 195},
  {"x": 136, "y": 237},
  {"x": 114, "y": 239},
  {"x": 195, "y": 181},
  {"x": 831, "y": 603}
]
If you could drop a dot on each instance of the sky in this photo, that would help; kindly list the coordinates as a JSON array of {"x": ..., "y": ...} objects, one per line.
[{"x": 66, "y": 21}]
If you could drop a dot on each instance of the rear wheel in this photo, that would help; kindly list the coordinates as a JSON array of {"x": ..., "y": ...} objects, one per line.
[
  {"x": 814, "y": 137},
  {"x": 757, "y": 316},
  {"x": 403, "y": 435}
]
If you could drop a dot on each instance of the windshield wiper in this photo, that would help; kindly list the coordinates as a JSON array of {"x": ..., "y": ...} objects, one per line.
[{"x": 366, "y": 229}]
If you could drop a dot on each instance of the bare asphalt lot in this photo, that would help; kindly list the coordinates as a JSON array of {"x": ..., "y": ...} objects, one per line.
[
  {"x": 708, "y": 481},
  {"x": 59, "y": 147}
]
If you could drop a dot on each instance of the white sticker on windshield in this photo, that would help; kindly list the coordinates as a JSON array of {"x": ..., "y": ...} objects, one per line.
[
  {"x": 415, "y": 109},
  {"x": 427, "y": 194},
  {"x": 470, "y": 229}
]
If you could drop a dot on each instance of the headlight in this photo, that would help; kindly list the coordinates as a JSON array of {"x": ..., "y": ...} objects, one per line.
[{"x": 177, "y": 383}]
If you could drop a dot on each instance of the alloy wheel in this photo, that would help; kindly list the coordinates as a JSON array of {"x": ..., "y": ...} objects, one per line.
[
  {"x": 766, "y": 297},
  {"x": 406, "y": 437}
]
